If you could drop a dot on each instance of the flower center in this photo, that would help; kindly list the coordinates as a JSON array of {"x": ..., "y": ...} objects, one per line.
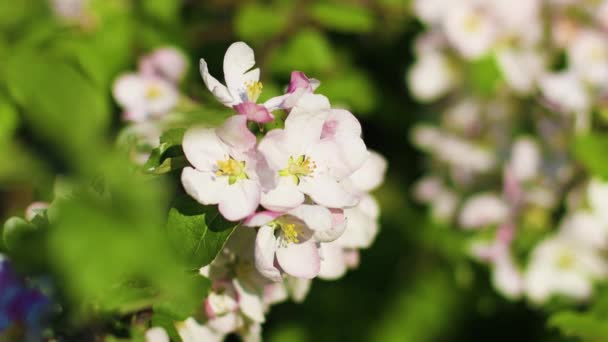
[
  {"x": 290, "y": 232},
  {"x": 232, "y": 168},
  {"x": 254, "y": 89},
  {"x": 298, "y": 167},
  {"x": 565, "y": 260},
  {"x": 472, "y": 23},
  {"x": 153, "y": 92}
]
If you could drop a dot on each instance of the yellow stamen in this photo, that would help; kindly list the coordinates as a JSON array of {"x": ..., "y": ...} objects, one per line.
[
  {"x": 234, "y": 169},
  {"x": 290, "y": 232},
  {"x": 565, "y": 260},
  {"x": 472, "y": 23},
  {"x": 298, "y": 167},
  {"x": 153, "y": 92},
  {"x": 254, "y": 90}
]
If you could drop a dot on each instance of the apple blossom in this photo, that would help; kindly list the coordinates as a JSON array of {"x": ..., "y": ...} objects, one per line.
[
  {"x": 431, "y": 76},
  {"x": 224, "y": 168},
  {"x": 166, "y": 62},
  {"x": 144, "y": 97},
  {"x": 243, "y": 86},
  {"x": 317, "y": 149},
  {"x": 471, "y": 29},
  {"x": 483, "y": 210},
  {"x": 560, "y": 266},
  {"x": 525, "y": 159}
]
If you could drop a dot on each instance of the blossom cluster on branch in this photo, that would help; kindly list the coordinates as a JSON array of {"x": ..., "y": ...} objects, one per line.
[
  {"x": 302, "y": 190},
  {"x": 517, "y": 83}
]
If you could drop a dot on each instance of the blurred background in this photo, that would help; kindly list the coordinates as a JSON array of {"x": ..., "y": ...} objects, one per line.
[{"x": 59, "y": 59}]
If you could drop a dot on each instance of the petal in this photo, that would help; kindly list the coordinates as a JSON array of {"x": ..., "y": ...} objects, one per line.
[
  {"x": 299, "y": 259},
  {"x": 250, "y": 302},
  {"x": 265, "y": 247},
  {"x": 239, "y": 200},
  {"x": 227, "y": 323},
  {"x": 298, "y": 80},
  {"x": 333, "y": 265},
  {"x": 326, "y": 191},
  {"x": 157, "y": 334},
  {"x": 217, "y": 89},
  {"x": 254, "y": 112},
  {"x": 276, "y": 102},
  {"x": 371, "y": 173},
  {"x": 129, "y": 91},
  {"x": 275, "y": 149},
  {"x": 342, "y": 155},
  {"x": 284, "y": 197},
  {"x": 341, "y": 122},
  {"x": 191, "y": 331},
  {"x": 239, "y": 59},
  {"x": 337, "y": 228},
  {"x": 235, "y": 133},
  {"x": 298, "y": 288},
  {"x": 261, "y": 218},
  {"x": 315, "y": 217},
  {"x": 203, "y": 148},
  {"x": 203, "y": 186}
]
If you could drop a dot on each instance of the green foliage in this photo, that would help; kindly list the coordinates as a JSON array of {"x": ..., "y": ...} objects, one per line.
[
  {"x": 484, "y": 75},
  {"x": 343, "y": 17},
  {"x": 197, "y": 232},
  {"x": 167, "y": 156},
  {"x": 257, "y": 22},
  {"x": 590, "y": 151},
  {"x": 352, "y": 89},
  {"x": 308, "y": 51}
]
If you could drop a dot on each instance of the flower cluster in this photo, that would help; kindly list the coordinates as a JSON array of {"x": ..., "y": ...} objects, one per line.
[
  {"x": 149, "y": 95},
  {"x": 302, "y": 192},
  {"x": 518, "y": 82}
]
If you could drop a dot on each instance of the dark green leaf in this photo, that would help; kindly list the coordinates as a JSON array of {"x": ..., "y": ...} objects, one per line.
[
  {"x": 260, "y": 22},
  {"x": 590, "y": 151},
  {"x": 197, "y": 232},
  {"x": 343, "y": 17}
]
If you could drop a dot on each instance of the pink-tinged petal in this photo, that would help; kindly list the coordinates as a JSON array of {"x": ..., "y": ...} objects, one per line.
[
  {"x": 341, "y": 122},
  {"x": 343, "y": 155},
  {"x": 203, "y": 148},
  {"x": 133, "y": 114},
  {"x": 235, "y": 133},
  {"x": 275, "y": 149},
  {"x": 371, "y": 174},
  {"x": 298, "y": 80},
  {"x": 337, "y": 229},
  {"x": 254, "y": 112},
  {"x": 169, "y": 63},
  {"x": 217, "y": 89},
  {"x": 284, "y": 197},
  {"x": 261, "y": 218},
  {"x": 250, "y": 302},
  {"x": 129, "y": 91},
  {"x": 299, "y": 259},
  {"x": 265, "y": 248},
  {"x": 361, "y": 227},
  {"x": 204, "y": 187},
  {"x": 239, "y": 200},
  {"x": 238, "y": 60},
  {"x": 326, "y": 191},
  {"x": 351, "y": 258},
  {"x": 298, "y": 288},
  {"x": 275, "y": 293},
  {"x": 191, "y": 331},
  {"x": 332, "y": 264},
  {"x": 315, "y": 217},
  {"x": 276, "y": 102}
]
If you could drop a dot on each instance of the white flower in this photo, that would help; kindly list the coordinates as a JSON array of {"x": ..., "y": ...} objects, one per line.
[
  {"x": 565, "y": 90},
  {"x": 431, "y": 76},
  {"x": 521, "y": 68},
  {"x": 586, "y": 228},
  {"x": 144, "y": 97},
  {"x": 560, "y": 266},
  {"x": 525, "y": 159},
  {"x": 444, "y": 206},
  {"x": 588, "y": 56},
  {"x": 167, "y": 62},
  {"x": 157, "y": 334},
  {"x": 317, "y": 149},
  {"x": 597, "y": 195},
  {"x": 483, "y": 210},
  {"x": 470, "y": 29},
  {"x": 191, "y": 331},
  {"x": 291, "y": 240},
  {"x": 464, "y": 116},
  {"x": 224, "y": 169}
]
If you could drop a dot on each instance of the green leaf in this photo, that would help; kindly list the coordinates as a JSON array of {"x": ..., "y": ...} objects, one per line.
[
  {"x": 484, "y": 75},
  {"x": 307, "y": 51},
  {"x": 165, "y": 321},
  {"x": 164, "y": 10},
  {"x": 590, "y": 151},
  {"x": 582, "y": 325},
  {"x": 261, "y": 22},
  {"x": 61, "y": 106},
  {"x": 351, "y": 89},
  {"x": 343, "y": 17},
  {"x": 170, "y": 140},
  {"x": 9, "y": 119},
  {"x": 197, "y": 232}
]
